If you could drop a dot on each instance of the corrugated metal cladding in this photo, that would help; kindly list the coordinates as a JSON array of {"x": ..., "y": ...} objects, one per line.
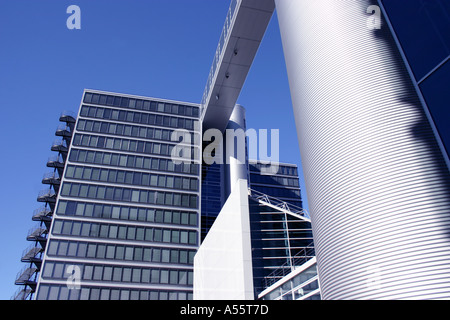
[{"x": 377, "y": 183}]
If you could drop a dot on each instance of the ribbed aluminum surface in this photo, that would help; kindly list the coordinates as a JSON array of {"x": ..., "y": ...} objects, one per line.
[{"x": 377, "y": 184}]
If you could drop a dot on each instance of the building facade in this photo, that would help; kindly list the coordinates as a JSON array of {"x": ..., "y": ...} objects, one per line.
[
  {"x": 127, "y": 221},
  {"x": 370, "y": 104},
  {"x": 282, "y": 184},
  {"x": 280, "y": 241},
  {"x": 421, "y": 29}
]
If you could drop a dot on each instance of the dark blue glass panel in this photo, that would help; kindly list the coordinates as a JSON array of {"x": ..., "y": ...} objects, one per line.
[{"x": 423, "y": 29}]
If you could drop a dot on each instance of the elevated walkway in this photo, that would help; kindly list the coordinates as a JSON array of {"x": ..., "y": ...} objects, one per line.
[{"x": 245, "y": 25}]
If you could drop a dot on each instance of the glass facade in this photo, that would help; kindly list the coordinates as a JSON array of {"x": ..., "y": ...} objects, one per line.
[
  {"x": 127, "y": 216},
  {"x": 212, "y": 195},
  {"x": 423, "y": 31},
  {"x": 283, "y": 185},
  {"x": 303, "y": 285},
  {"x": 279, "y": 241}
]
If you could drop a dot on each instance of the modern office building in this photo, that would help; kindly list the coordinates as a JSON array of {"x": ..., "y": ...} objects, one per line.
[
  {"x": 280, "y": 241},
  {"x": 256, "y": 240},
  {"x": 122, "y": 219},
  {"x": 126, "y": 222}
]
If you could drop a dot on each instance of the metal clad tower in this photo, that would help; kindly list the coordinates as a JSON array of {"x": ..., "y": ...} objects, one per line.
[{"x": 376, "y": 179}]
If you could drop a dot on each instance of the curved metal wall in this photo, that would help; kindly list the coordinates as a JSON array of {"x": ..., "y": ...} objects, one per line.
[{"x": 377, "y": 184}]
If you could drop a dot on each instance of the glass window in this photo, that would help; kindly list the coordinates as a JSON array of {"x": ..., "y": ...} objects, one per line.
[
  {"x": 131, "y": 235},
  {"x": 147, "y": 254},
  {"x": 92, "y": 247},
  {"x": 129, "y": 253},
  {"x": 122, "y": 232},
  {"x": 126, "y": 275},
  {"x": 113, "y": 232},
  {"x": 124, "y": 213},
  {"x": 101, "y": 250},
  {"x": 183, "y": 257},
  {"x": 53, "y": 293},
  {"x": 117, "y": 274},
  {"x": 95, "y": 174},
  {"x": 110, "y": 250},
  {"x": 175, "y": 236},
  {"x": 135, "y": 196},
  {"x": 183, "y": 237},
  {"x": 57, "y": 226},
  {"x": 173, "y": 277},
  {"x": 85, "y": 229},
  {"x": 148, "y": 234},
  {"x": 192, "y": 237},
  {"x": 120, "y": 251},
  {"x": 154, "y": 276},
  {"x": 133, "y": 213},
  {"x": 128, "y": 177},
  {"x": 136, "y": 275},
  {"x": 166, "y": 236},
  {"x": 76, "y": 230},
  {"x": 164, "y": 276},
  {"x": 104, "y": 293},
  {"x": 157, "y": 235},
  {"x": 115, "y": 294},
  {"x": 138, "y": 254}
]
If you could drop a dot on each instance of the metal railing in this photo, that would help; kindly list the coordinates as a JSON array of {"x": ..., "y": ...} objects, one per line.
[
  {"x": 55, "y": 158},
  {"x": 42, "y": 211},
  {"x": 281, "y": 205},
  {"x": 25, "y": 274},
  {"x": 36, "y": 232},
  {"x": 48, "y": 193},
  {"x": 63, "y": 129},
  {"x": 31, "y": 252},
  {"x": 21, "y": 294},
  {"x": 68, "y": 113},
  {"x": 59, "y": 143},
  {"x": 219, "y": 51}
]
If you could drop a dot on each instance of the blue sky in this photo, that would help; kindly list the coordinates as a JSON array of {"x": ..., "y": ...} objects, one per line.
[{"x": 155, "y": 48}]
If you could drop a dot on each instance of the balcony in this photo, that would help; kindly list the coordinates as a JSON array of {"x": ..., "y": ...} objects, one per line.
[
  {"x": 60, "y": 145},
  {"x": 47, "y": 195},
  {"x": 32, "y": 255},
  {"x": 22, "y": 294},
  {"x": 56, "y": 162},
  {"x": 68, "y": 117},
  {"x": 24, "y": 277},
  {"x": 51, "y": 178},
  {"x": 38, "y": 234},
  {"x": 43, "y": 214},
  {"x": 65, "y": 132}
]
